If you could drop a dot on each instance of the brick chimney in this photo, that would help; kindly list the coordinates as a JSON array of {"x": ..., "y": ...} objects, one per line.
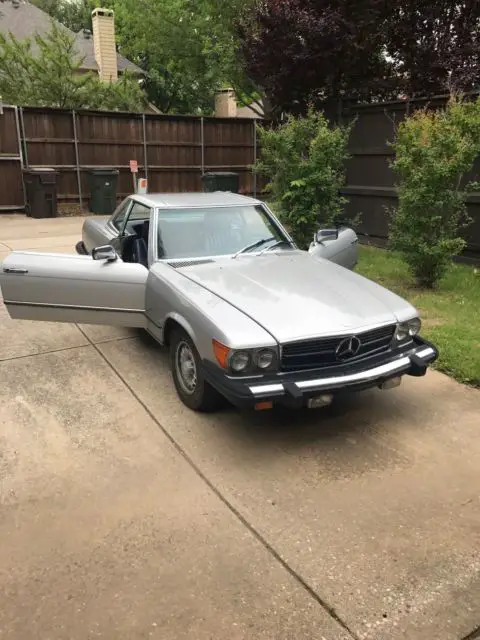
[
  {"x": 104, "y": 44},
  {"x": 226, "y": 104}
]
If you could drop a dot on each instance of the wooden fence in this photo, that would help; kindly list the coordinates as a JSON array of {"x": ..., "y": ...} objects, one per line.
[
  {"x": 173, "y": 152},
  {"x": 370, "y": 180}
]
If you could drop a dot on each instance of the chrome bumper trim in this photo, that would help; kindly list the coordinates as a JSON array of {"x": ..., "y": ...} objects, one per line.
[
  {"x": 266, "y": 388},
  {"x": 361, "y": 376},
  {"x": 424, "y": 353}
]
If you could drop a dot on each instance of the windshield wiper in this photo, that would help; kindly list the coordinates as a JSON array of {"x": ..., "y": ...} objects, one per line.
[
  {"x": 276, "y": 244},
  {"x": 253, "y": 245}
]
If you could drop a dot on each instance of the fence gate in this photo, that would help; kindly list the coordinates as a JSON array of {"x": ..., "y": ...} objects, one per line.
[{"x": 11, "y": 162}]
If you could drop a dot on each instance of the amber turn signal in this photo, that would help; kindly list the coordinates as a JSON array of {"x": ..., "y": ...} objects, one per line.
[
  {"x": 261, "y": 406},
  {"x": 221, "y": 353}
]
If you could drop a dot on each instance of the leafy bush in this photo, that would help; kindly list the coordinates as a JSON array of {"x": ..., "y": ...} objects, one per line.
[
  {"x": 434, "y": 152},
  {"x": 304, "y": 161}
]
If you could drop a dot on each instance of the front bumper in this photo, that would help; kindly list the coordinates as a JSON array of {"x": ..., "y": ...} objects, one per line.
[{"x": 295, "y": 389}]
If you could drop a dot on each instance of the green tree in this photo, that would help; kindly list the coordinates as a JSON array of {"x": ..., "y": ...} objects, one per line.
[
  {"x": 435, "y": 150},
  {"x": 189, "y": 49},
  {"x": 74, "y": 14},
  {"x": 46, "y": 71},
  {"x": 304, "y": 162}
]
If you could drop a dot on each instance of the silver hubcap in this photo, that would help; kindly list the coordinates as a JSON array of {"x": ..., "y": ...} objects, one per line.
[{"x": 186, "y": 368}]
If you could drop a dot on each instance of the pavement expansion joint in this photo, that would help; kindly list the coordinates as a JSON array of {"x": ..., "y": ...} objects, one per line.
[
  {"x": 328, "y": 608},
  {"x": 77, "y": 346}
]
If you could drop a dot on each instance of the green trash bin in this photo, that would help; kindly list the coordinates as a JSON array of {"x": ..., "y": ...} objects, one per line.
[
  {"x": 103, "y": 190},
  {"x": 41, "y": 191},
  {"x": 220, "y": 181}
]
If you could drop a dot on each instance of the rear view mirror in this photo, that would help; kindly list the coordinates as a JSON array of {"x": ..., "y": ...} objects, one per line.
[
  {"x": 326, "y": 234},
  {"x": 106, "y": 252}
]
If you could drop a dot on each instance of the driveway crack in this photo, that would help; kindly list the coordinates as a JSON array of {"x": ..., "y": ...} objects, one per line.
[{"x": 256, "y": 534}]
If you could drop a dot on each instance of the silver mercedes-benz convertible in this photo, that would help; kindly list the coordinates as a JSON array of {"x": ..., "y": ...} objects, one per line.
[{"x": 246, "y": 315}]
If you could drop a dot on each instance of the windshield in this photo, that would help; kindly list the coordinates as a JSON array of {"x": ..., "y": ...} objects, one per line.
[{"x": 200, "y": 232}]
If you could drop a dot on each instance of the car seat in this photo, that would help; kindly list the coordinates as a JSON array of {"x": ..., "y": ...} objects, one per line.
[{"x": 140, "y": 243}]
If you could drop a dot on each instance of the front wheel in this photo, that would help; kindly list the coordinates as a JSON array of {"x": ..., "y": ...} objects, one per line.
[{"x": 191, "y": 386}]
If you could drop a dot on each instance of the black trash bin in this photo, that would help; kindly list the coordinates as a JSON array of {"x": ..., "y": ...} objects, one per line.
[
  {"x": 103, "y": 190},
  {"x": 221, "y": 181},
  {"x": 41, "y": 192}
]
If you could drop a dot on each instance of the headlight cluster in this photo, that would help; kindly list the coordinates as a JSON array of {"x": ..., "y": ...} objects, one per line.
[
  {"x": 246, "y": 361},
  {"x": 408, "y": 329}
]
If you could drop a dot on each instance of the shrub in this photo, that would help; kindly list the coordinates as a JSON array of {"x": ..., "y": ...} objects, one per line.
[
  {"x": 434, "y": 152},
  {"x": 303, "y": 161}
]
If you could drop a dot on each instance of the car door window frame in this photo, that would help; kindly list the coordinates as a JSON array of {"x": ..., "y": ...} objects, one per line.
[
  {"x": 135, "y": 203},
  {"x": 125, "y": 205},
  {"x": 125, "y": 233}
]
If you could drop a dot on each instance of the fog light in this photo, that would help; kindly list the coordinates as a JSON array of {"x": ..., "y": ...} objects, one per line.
[
  {"x": 320, "y": 401},
  {"x": 390, "y": 384}
]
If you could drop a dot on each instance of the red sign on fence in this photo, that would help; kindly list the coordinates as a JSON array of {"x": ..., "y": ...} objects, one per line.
[{"x": 133, "y": 166}]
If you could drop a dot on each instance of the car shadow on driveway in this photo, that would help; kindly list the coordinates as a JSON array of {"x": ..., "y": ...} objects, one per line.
[{"x": 357, "y": 427}]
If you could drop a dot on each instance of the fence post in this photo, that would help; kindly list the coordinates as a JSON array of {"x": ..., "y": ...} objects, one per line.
[
  {"x": 254, "y": 174},
  {"x": 20, "y": 153},
  {"x": 19, "y": 137},
  {"x": 202, "y": 137},
  {"x": 77, "y": 161},
  {"x": 25, "y": 143},
  {"x": 145, "y": 151}
]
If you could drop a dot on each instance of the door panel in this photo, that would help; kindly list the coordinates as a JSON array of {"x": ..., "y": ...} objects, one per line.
[
  {"x": 342, "y": 250},
  {"x": 70, "y": 288}
]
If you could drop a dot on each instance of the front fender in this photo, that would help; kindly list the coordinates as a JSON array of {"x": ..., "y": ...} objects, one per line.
[
  {"x": 95, "y": 233},
  {"x": 204, "y": 315},
  {"x": 182, "y": 322}
]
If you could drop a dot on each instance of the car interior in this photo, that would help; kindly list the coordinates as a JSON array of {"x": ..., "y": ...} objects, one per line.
[
  {"x": 135, "y": 245},
  {"x": 212, "y": 235},
  {"x": 187, "y": 235}
]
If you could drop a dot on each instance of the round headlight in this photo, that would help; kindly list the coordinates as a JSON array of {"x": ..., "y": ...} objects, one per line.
[
  {"x": 265, "y": 358},
  {"x": 402, "y": 331},
  {"x": 414, "y": 326},
  {"x": 239, "y": 361}
]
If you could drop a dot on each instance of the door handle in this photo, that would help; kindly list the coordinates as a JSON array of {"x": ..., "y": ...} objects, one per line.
[{"x": 14, "y": 270}]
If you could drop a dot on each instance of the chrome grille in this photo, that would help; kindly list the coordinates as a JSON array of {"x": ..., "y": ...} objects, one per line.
[{"x": 321, "y": 352}]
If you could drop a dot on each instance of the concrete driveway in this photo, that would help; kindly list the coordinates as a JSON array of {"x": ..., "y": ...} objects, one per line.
[{"x": 126, "y": 516}]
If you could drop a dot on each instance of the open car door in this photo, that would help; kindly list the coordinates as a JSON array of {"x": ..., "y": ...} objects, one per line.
[
  {"x": 72, "y": 288},
  {"x": 337, "y": 245}
]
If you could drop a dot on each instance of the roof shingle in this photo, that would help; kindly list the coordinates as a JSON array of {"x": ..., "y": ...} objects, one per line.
[{"x": 24, "y": 20}]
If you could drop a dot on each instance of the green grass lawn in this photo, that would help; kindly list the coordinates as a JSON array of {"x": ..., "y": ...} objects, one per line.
[{"x": 450, "y": 313}]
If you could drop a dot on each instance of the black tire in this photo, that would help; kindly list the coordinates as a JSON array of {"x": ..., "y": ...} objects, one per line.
[
  {"x": 199, "y": 396},
  {"x": 80, "y": 248}
]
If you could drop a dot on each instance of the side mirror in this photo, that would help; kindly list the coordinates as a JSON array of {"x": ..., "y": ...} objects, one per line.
[
  {"x": 106, "y": 252},
  {"x": 326, "y": 234}
]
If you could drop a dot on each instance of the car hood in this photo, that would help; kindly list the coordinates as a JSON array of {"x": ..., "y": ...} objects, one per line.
[{"x": 295, "y": 296}]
